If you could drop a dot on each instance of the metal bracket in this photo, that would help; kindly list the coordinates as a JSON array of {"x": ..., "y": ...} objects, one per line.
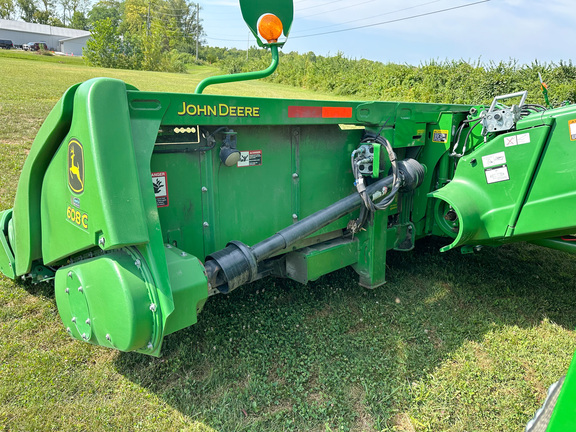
[{"x": 502, "y": 119}]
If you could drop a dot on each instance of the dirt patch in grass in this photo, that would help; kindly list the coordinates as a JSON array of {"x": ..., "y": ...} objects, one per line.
[
  {"x": 483, "y": 360},
  {"x": 402, "y": 423},
  {"x": 364, "y": 421}
]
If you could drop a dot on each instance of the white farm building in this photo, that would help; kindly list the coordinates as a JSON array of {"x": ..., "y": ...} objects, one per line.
[{"x": 66, "y": 40}]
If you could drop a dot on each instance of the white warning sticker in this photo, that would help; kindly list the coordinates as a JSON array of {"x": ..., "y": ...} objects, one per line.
[
  {"x": 160, "y": 183},
  {"x": 572, "y": 125},
  {"x": 517, "y": 140},
  {"x": 494, "y": 159},
  {"x": 250, "y": 158},
  {"x": 496, "y": 175}
]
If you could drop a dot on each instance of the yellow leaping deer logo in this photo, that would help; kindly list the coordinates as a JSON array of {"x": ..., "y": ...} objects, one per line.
[{"x": 75, "y": 166}]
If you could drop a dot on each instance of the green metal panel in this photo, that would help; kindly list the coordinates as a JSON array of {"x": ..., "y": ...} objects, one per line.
[
  {"x": 189, "y": 288},
  {"x": 253, "y": 202},
  {"x": 373, "y": 242},
  {"x": 552, "y": 190},
  {"x": 27, "y": 216},
  {"x": 308, "y": 264},
  {"x": 182, "y": 219}
]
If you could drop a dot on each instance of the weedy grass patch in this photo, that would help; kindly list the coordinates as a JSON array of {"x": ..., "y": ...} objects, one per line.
[{"x": 451, "y": 343}]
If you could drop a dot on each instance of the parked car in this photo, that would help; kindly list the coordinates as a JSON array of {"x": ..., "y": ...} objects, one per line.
[
  {"x": 34, "y": 46},
  {"x": 39, "y": 46},
  {"x": 6, "y": 44}
]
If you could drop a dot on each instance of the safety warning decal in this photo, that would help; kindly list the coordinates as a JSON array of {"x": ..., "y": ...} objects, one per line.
[
  {"x": 440, "y": 136},
  {"x": 496, "y": 175},
  {"x": 250, "y": 158},
  {"x": 517, "y": 140},
  {"x": 494, "y": 159},
  {"x": 572, "y": 126},
  {"x": 160, "y": 183}
]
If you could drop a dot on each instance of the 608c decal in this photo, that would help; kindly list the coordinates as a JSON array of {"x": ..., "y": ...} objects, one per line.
[{"x": 78, "y": 218}]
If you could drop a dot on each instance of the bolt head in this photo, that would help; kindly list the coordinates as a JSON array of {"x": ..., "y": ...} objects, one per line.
[
  {"x": 204, "y": 189},
  {"x": 84, "y": 336},
  {"x": 153, "y": 307},
  {"x": 74, "y": 319},
  {"x": 67, "y": 290},
  {"x": 183, "y": 254},
  {"x": 80, "y": 289},
  {"x": 295, "y": 176},
  {"x": 206, "y": 224},
  {"x": 294, "y": 216},
  {"x": 137, "y": 263},
  {"x": 69, "y": 274},
  {"x": 102, "y": 241},
  {"x": 88, "y": 321},
  {"x": 150, "y": 346},
  {"x": 108, "y": 338}
]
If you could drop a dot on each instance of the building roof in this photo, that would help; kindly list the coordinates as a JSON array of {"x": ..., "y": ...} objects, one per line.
[
  {"x": 75, "y": 38},
  {"x": 48, "y": 30}
]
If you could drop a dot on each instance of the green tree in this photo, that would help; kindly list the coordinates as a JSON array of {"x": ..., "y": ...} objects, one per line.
[
  {"x": 27, "y": 9},
  {"x": 46, "y": 17},
  {"x": 48, "y": 5},
  {"x": 104, "y": 48},
  {"x": 106, "y": 9},
  {"x": 6, "y": 8},
  {"x": 41, "y": 17},
  {"x": 149, "y": 34},
  {"x": 78, "y": 21}
]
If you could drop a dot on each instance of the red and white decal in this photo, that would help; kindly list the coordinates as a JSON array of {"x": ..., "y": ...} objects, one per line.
[
  {"x": 319, "y": 112},
  {"x": 250, "y": 158}
]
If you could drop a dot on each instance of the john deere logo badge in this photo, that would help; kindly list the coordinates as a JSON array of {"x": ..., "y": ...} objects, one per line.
[{"x": 75, "y": 166}]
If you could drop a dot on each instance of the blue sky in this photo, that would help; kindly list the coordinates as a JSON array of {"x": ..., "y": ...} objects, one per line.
[{"x": 494, "y": 30}]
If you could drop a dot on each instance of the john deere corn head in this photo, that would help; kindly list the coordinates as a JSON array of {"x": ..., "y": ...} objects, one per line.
[{"x": 141, "y": 205}]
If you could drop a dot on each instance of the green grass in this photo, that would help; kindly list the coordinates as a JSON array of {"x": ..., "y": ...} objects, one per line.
[{"x": 451, "y": 343}]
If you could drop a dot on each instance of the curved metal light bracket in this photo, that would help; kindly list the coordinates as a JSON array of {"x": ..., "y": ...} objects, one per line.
[{"x": 252, "y": 10}]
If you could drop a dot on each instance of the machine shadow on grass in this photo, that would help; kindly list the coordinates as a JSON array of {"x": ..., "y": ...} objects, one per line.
[{"x": 276, "y": 355}]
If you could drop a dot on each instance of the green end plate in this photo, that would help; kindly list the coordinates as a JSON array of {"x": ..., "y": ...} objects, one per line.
[{"x": 252, "y": 10}]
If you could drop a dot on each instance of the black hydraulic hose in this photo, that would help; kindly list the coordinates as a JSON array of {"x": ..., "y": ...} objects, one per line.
[
  {"x": 237, "y": 263},
  {"x": 309, "y": 225}
]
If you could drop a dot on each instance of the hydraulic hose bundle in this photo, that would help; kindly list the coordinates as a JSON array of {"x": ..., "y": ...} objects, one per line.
[{"x": 364, "y": 157}]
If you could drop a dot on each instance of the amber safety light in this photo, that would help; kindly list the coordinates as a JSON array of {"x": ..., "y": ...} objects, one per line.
[{"x": 270, "y": 28}]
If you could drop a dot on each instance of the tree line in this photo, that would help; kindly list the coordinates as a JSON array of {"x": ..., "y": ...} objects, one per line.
[
  {"x": 157, "y": 35},
  {"x": 434, "y": 81},
  {"x": 160, "y": 35}
]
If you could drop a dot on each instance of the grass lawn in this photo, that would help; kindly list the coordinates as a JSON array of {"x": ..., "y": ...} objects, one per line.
[{"x": 452, "y": 342}]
